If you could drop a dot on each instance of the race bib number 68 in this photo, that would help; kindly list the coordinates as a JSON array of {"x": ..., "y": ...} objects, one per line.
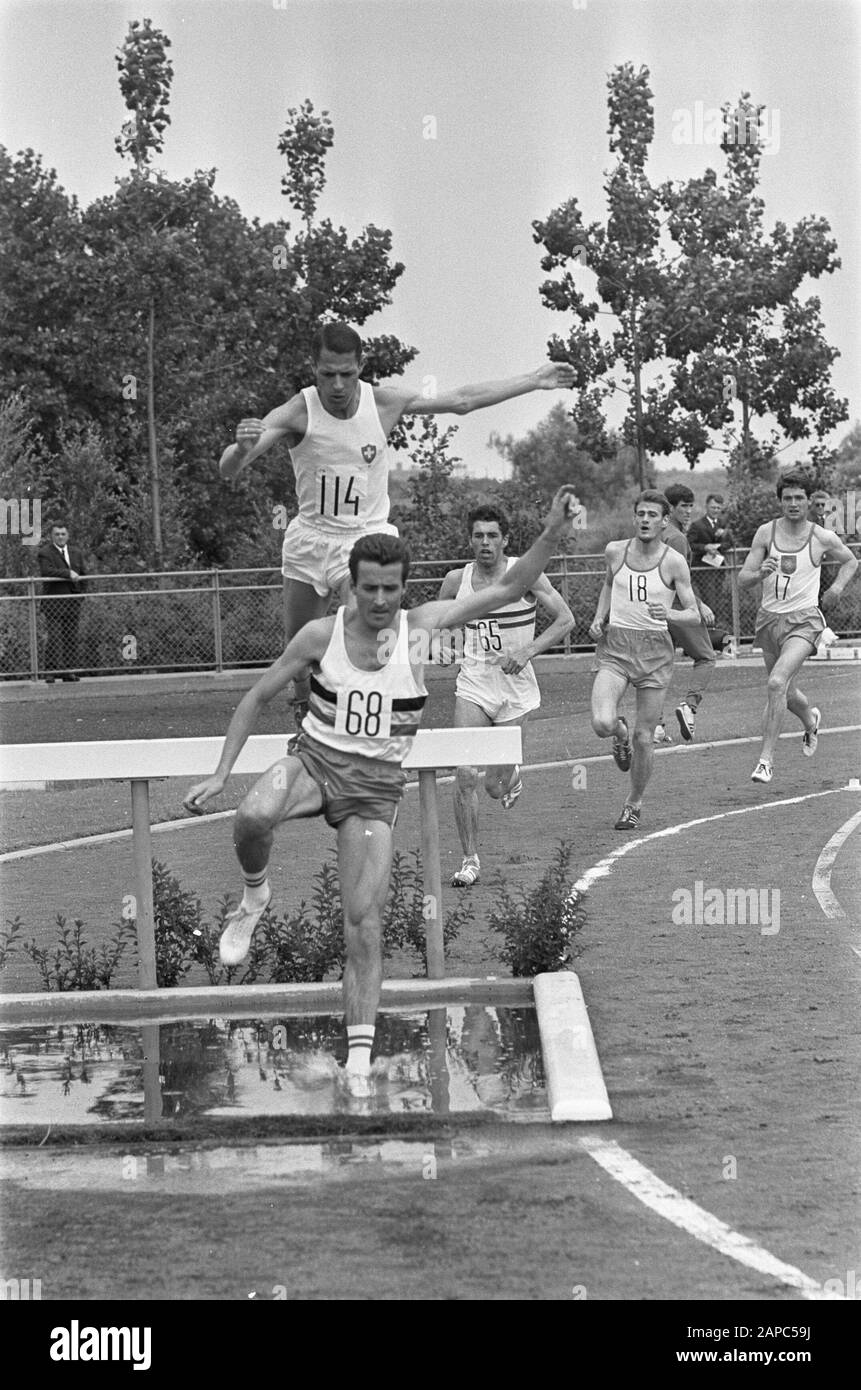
[{"x": 363, "y": 713}]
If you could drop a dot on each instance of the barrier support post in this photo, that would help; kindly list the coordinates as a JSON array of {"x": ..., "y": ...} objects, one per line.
[
  {"x": 432, "y": 875},
  {"x": 151, "y": 1069},
  {"x": 142, "y": 850}
]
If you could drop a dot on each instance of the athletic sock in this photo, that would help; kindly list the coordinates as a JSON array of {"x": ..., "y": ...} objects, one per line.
[
  {"x": 360, "y": 1040},
  {"x": 256, "y": 889}
]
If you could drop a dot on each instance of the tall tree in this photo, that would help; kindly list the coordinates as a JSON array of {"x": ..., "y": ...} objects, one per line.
[
  {"x": 162, "y": 306},
  {"x": 432, "y": 519},
  {"x": 145, "y": 78},
  {"x": 42, "y": 336},
  {"x": 552, "y": 454},
  {"x": 694, "y": 280}
]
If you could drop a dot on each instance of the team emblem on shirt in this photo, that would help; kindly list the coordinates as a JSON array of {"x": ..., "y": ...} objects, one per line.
[{"x": 369, "y": 452}]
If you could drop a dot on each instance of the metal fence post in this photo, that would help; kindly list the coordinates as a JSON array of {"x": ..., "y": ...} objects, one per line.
[
  {"x": 566, "y": 594},
  {"x": 33, "y": 629},
  {"x": 736, "y": 611},
  {"x": 216, "y": 620}
]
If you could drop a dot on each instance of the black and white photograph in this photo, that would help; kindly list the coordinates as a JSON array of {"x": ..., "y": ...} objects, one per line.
[{"x": 430, "y": 668}]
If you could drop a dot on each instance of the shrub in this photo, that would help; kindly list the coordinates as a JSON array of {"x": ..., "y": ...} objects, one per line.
[
  {"x": 7, "y": 940},
  {"x": 73, "y": 964},
  {"x": 539, "y": 924},
  {"x": 178, "y": 917},
  {"x": 306, "y": 945}
]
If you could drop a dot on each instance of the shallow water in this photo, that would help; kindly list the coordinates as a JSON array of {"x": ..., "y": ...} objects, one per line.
[{"x": 448, "y": 1060}]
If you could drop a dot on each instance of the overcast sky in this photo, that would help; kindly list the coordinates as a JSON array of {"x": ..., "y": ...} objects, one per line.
[{"x": 514, "y": 92}]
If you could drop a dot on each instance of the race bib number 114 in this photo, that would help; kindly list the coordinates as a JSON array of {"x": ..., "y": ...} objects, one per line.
[
  {"x": 339, "y": 494},
  {"x": 363, "y": 714}
]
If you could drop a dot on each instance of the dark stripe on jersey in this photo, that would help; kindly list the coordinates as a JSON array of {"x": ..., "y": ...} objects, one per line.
[
  {"x": 505, "y": 625},
  {"x": 322, "y": 712},
  {"x": 502, "y": 617},
  {"x": 412, "y": 702}
]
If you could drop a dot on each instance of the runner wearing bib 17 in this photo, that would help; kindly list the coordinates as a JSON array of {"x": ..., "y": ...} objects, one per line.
[
  {"x": 337, "y": 433},
  {"x": 786, "y": 558}
]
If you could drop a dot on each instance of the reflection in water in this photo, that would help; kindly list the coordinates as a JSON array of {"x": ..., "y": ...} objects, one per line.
[
  {"x": 442, "y": 1060},
  {"x": 219, "y": 1169}
]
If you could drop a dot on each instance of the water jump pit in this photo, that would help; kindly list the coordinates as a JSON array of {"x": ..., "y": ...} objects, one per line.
[{"x": 82, "y": 1068}]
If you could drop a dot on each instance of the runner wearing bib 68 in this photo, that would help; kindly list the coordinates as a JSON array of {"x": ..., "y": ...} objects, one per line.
[
  {"x": 786, "y": 558},
  {"x": 366, "y": 703},
  {"x": 337, "y": 433}
]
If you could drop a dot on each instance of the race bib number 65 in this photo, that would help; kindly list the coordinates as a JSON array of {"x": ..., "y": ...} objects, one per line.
[{"x": 363, "y": 713}]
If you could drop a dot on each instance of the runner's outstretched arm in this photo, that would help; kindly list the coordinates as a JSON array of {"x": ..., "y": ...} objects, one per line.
[
  {"x": 513, "y": 584},
  {"x": 551, "y": 376},
  {"x": 306, "y": 647}
]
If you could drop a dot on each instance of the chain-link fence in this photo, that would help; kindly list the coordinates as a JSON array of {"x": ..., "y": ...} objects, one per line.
[{"x": 215, "y": 619}]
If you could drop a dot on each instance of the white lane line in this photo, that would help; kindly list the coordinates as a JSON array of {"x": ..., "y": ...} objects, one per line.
[
  {"x": 107, "y": 835},
  {"x": 10, "y": 856},
  {"x": 605, "y": 866},
  {"x": 649, "y": 1189},
  {"x": 675, "y": 748},
  {"x": 824, "y": 864}
]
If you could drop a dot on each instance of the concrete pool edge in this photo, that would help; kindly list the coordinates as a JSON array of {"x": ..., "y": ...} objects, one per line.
[{"x": 575, "y": 1083}]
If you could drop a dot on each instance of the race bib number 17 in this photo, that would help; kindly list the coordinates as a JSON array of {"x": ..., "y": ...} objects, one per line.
[{"x": 363, "y": 713}]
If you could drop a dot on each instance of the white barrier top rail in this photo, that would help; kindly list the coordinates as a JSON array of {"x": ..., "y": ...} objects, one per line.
[{"x": 131, "y": 759}]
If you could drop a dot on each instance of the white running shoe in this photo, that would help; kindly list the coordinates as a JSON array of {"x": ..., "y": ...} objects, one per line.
[
  {"x": 514, "y": 791},
  {"x": 236, "y": 937},
  {"x": 687, "y": 720},
  {"x": 762, "y": 772},
  {"x": 358, "y": 1085},
  {"x": 660, "y": 735},
  {"x": 811, "y": 736},
  {"x": 468, "y": 872}
]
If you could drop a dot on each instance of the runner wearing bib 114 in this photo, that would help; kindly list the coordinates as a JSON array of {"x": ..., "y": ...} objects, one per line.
[{"x": 337, "y": 432}]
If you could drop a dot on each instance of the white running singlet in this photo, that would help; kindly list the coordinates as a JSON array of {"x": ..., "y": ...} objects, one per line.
[
  {"x": 795, "y": 583},
  {"x": 500, "y": 634},
  {"x": 632, "y": 592},
  {"x": 342, "y": 466},
  {"x": 373, "y": 713}
]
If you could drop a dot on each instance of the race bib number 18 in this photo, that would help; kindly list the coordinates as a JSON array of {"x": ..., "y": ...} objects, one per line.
[{"x": 363, "y": 713}]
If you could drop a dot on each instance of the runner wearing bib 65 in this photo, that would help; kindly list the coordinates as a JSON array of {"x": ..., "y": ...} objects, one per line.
[
  {"x": 633, "y": 644},
  {"x": 337, "y": 433},
  {"x": 786, "y": 558}
]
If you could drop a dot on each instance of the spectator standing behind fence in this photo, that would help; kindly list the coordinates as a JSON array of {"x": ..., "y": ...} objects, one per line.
[
  {"x": 817, "y": 510},
  {"x": 61, "y": 566},
  {"x": 711, "y": 541}
]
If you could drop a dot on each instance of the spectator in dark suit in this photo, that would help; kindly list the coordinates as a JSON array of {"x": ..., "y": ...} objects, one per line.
[
  {"x": 817, "y": 508},
  {"x": 61, "y": 566},
  {"x": 711, "y": 541}
]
